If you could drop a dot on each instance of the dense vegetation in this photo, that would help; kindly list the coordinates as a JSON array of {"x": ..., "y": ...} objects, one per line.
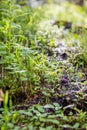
[{"x": 43, "y": 66}]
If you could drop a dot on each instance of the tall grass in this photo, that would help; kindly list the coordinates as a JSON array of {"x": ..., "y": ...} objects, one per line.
[{"x": 17, "y": 34}]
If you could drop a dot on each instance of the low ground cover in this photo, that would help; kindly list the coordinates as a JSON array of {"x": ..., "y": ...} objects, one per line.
[{"x": 43, "y": 63}]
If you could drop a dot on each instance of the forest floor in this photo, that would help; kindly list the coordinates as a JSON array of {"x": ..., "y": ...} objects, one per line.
[
  {"x": 57, "y": 97},
  {"x": 71, "y": 88}
]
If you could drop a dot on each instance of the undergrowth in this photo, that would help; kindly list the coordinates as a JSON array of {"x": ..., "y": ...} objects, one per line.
[{"x": 30, "y": 67}]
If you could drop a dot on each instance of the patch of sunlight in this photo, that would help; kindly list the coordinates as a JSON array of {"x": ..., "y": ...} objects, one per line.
[{"x": 65, "y": 12}]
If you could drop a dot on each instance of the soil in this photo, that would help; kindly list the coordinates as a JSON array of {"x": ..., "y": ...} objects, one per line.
[{"x": 70, "y": 92}]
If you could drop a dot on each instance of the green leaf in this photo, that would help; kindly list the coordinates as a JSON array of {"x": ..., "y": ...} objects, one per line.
[
  {"x": 76, "y": 125},
  {"x": 3, "y": 52},
  {"x": 37, "y": 112},
  {"x": 52, "y": 116},
  {"x": 40, "y": 108},
  {"x": 10, "y": 125},
  {"x": 52, "y": 121},
  {"x": 48, "y": 106},
  {"x": 16, "y": 128},
  {"x": 47, "y": 128},
  {"x": 25, "y": 113},
  {"x": 23, "y": 78},
  {"x": 44, "y": 115},
  {"x": 31, "y": 127},
  {"x": 57, "y": 106}
]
